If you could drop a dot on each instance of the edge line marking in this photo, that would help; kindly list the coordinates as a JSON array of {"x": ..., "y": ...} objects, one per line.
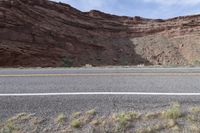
[{"x": 98, "y": 93}]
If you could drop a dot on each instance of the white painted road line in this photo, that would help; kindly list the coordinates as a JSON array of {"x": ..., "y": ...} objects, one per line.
[{"x": 98, "y": 93}]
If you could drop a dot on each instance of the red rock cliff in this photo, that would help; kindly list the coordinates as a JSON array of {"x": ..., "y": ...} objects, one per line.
[{"x": 44, "y": 33}]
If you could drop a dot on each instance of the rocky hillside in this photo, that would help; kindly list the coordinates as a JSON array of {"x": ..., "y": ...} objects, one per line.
[{"x": 44, "y": 33}]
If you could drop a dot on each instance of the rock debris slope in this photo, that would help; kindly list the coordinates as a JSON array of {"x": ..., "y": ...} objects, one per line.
[{"x": 48, "y": 34}]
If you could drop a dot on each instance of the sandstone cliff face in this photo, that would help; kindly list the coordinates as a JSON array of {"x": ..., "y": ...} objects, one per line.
[{"x": 44, "y": 33}]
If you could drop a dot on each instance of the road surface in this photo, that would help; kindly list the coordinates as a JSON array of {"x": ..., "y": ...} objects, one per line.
[{"x": 52, "y": 91}]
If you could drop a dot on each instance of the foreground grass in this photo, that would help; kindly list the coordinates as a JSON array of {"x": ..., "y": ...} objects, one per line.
[{"x": 171, "y": 119}]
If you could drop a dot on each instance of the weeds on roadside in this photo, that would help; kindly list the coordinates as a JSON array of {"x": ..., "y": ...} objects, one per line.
[
  {"x": 75, "y": 123},
  {"x": 61, "y": 118},
  {"x": 172, "y": 113},
  {"x": 91, "y": 112}
]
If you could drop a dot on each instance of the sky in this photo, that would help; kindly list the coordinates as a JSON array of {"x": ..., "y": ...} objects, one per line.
[{"x": 145, "y": 8}]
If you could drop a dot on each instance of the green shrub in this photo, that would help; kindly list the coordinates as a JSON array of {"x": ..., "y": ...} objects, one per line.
[
  {"x": 67, "y": 62},
  {"x": 76, "y": 123},
  {"x": 196, "y": 62}
]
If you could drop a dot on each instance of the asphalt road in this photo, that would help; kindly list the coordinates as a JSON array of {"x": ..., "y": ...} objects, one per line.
[{"x": 52, "y": 91}]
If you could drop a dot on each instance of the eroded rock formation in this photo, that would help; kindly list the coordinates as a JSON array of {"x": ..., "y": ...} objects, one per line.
[{"x": 44, "y": 33}]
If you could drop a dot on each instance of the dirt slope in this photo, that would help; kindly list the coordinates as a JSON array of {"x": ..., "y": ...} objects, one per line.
[{"x": 44, "y": 33}]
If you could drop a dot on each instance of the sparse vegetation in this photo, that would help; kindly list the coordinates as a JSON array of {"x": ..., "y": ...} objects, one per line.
[
  {"x": 150, "y": 129},
  {"x": 61, "y": 118},
  {"x": 9, "y": 127},
  {"x": 171, "y": 123},
  {"x": 95, "y": 122},
  {"x": 172, "y": 113},
  {"x": 176, "y": 128},
  {"x": 76, "y": 114},
  {"x": 194, "y": 128},
  {"x": 153, "y": 115},
  {"x": 91, "y": 112},
  {"x": 172, "y": 119},
  {"x": 195, "y": 110},
  {"x": 20, "y": 116},
  {"x": 67, "y": 62},
  {"x": 194, "y": 119},
  {"x": 76, "y": 123},
  {"x": 124, "y": 118},
  {"x": 196, "y": 62}
]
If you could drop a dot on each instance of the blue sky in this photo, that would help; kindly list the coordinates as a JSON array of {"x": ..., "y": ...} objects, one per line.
[{"x": 145, "y": 8}]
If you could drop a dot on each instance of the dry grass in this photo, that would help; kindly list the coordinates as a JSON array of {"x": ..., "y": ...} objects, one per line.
[
  {"x": 152, "y": 115},
  {"x": 125, "y": 117},
  {"x": 91, "y": 112},
  {"x": 194, "y": 110},
  {"x": 171, "y": 123},
  {"x": 171, "y": 119},
  {"x": 61, "y": 118},
  {"x": 95, "y": 122},
  {"x": 150, "y": 129},
  {"x": 76, "y": 114},
  {"x": 172, "y": 113},
  {"x": 75, "y": 123},
  {"x": 11, "y": 125},
  {"x": 194, "y": 128}
]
